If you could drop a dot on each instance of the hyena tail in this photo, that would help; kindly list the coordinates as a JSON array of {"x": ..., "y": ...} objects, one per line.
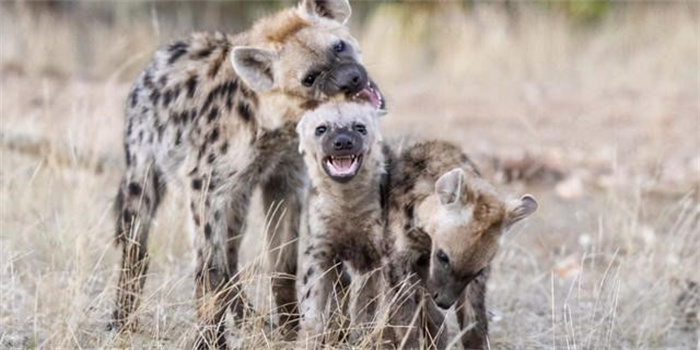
[{"x": 138, "y": 198}]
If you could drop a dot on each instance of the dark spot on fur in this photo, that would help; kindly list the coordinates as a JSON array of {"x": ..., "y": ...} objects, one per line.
[
  {"x": 155, "y": 97},
  {"x": 217, "y": 215},
  {"x": 211, "y": 158},
  {"x": 134, "y": 96},
  {"x": 204, "y": 53},
  {"x": 244, "y": 111},
  {"x": 216, "y": 64},
  {"x": 176, "y": 51},
  {"x": 148, "y": 79},
  {"x": 163, "y": 80},
  {"x": 167, "y": 97},
  {"x": 230, "y": 93},
  {"x": 178, "y": 137},
  {"x": 196, "y": 184},
  {"x": 309, "y": 105},
  {"x": 308, "y": 294},
  {"x": 134, "y": 189},
  {"x": 197, "y": 220},
  {"x": 214, "y": 135},
  {"x": 224, "y": 148},
  {"x": 191, "y": 85},
  {"x": 207, "y": 231},
  {"x": 213, "y": 114},
  {"x": 161, "y": 129}
]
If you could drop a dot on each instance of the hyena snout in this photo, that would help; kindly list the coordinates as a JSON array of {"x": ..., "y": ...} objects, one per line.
[
  {"x": 349, "y": 78},
  {"x": 343, "y": 143},
  {"x": 343, "y": 151},
  {"x": 445, "y": 291}
]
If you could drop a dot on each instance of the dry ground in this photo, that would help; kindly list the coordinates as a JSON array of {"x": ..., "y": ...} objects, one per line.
[{"x": 602, "y": 126}]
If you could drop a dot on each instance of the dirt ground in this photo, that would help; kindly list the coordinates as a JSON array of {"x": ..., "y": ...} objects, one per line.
[{"x": 608, "y": 142}]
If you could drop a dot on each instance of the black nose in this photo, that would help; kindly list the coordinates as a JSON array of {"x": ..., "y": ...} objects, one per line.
[
  {"x": 352, "y": 78},
  {"x": 342, "y": 142}
]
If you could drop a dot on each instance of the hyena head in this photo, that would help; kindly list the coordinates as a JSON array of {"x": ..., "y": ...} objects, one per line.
[
  {"x": 302, "y": 57},
  {"x": 336, "y": 138},
  {"x": 465, "y": 219}
]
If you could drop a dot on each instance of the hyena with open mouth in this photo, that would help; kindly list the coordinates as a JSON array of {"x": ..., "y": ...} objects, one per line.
[
  {"x": 223, "y": 110},
  {"x": 344, "y": 223},
  {"x": 446, "y": 223}
]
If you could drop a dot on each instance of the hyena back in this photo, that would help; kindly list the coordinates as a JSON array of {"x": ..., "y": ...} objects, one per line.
[
  {"x": 223, "y": 110},
  {"x": 447, "y": 222},
  {"x": 344, "y": 220}
]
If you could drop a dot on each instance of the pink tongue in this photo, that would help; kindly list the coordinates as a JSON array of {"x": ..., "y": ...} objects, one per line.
[
  {"x": 373, "y": 98},
  {"x": 343, "y": 163}
]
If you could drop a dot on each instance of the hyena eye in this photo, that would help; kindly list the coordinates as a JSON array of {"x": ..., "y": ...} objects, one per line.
[
  {"x": 339, "y": 47},
  {"x": 361, "y": 129},
  {"x": 442, "y": 258},
  {"x": 321, "y": 130},
  {"x": 309, "y": 80}
]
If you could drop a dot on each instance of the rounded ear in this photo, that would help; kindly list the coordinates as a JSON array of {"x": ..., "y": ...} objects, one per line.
[
  {"x": 337, "y": 10},
  {"x": 254, "y": 66},
  {"x": 520, "y": 209},
  {"x": 449, "y": 186}
]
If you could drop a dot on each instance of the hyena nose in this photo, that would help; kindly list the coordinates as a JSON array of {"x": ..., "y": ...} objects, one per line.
[
  {"x": 352, "y": 79},
  {"x": 342, "y": 142}
]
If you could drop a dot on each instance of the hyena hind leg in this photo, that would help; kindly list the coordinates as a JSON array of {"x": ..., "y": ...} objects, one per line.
[{"x": 139, "y": 196}]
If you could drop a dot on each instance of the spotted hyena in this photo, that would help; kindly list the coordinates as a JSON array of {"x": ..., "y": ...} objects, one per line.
[
  {"x": 220, "y": 113},
  {"x": 446, "y": 222},
  {"x": 342, "y": 149}
]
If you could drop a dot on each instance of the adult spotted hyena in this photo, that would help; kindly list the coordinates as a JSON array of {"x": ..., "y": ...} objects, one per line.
[
  {"x": 344, "y": 230},
  {"x": 221, "y": 111},
  {"x": 446, "y": 223}
]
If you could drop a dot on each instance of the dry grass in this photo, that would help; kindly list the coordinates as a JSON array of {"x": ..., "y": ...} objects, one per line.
[{"x": 603, "y": 264}]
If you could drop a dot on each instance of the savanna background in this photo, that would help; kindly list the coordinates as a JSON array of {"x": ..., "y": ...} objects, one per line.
[{"x": 593, "y": 106}]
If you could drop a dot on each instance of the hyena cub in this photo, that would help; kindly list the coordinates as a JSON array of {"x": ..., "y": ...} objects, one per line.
[
  {"x": 219, "y": 112},
  {"x": 344, "y": 156},
  {"x": 447, "y": 223}
]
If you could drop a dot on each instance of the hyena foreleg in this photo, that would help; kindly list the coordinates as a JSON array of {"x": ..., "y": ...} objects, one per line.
[
  {"x": 137, "y": 201},
  {"x": 219, "y": 218},
  {"x": 282, "y": 201},
  {"x": 323, "y": 294},
  {"x": 474, "y": 297}
]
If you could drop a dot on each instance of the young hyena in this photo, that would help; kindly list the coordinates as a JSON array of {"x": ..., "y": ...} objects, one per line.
[
  {"x": 344, "y": 220},
  {"x": 446, "y": 223},
  {"x": 221, "y": 110}
]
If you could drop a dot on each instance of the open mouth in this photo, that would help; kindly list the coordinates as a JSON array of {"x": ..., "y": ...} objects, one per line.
[
  {"x": 342, "y": 168},
  {"x": 372, "y": 95}
]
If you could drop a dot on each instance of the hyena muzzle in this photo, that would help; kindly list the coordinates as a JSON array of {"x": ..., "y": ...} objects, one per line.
[
  {"x": 344, "y": 221},
  {"x": 222, "y": 110}
]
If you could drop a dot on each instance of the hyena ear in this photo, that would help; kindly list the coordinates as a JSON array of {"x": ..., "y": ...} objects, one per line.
[
  {"x": 254, "y": 66},
  {"x": 337, "y": 10},
  {"x": 520, "y": 209},
  {"x": 449, "y": 186}
]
